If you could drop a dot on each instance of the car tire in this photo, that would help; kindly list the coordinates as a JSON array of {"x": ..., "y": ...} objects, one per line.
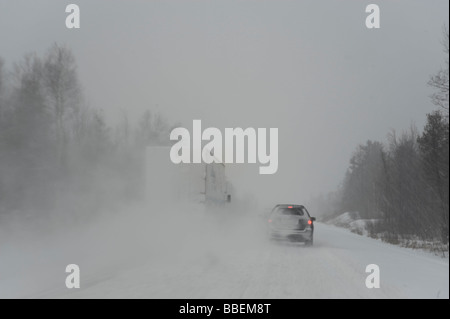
[{"x": 310, "y": 242}]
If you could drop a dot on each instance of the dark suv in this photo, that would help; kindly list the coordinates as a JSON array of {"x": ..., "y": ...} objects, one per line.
[{"x": 292, "y": 223}]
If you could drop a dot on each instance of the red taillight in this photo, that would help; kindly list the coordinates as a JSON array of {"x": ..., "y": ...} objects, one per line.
[
  {"x": 289, "y": 206},
  {"x": 310, "y": 222},
  {"x": 270, "y": 220}
]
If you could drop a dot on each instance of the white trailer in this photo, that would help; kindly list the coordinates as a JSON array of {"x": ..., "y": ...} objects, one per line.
[{"x": 169, "y": 182}]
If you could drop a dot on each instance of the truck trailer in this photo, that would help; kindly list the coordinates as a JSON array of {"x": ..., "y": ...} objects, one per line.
[{"x": 169, "y": 182}]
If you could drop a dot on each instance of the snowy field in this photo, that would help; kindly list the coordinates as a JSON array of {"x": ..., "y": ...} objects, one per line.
[{"x": 200, "y": 255}]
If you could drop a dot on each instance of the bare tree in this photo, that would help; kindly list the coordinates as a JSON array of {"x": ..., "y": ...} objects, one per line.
[
  {"x": 27, "y": 139},
  {"x": 153, "y": 129},
  {"x": 63, "y": 91},
  {"x": 439, "y": 81}
]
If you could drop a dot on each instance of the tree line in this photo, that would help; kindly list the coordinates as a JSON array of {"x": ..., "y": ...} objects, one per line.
[
  {"x": 57, "y": 153},
  {"x": 403, "y": 185}
]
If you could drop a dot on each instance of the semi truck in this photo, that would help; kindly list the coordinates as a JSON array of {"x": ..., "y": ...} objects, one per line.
[{"x": 198, "y": 183}]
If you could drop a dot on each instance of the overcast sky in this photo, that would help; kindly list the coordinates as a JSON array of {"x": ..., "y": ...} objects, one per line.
[{"x": 310, "y": 68}]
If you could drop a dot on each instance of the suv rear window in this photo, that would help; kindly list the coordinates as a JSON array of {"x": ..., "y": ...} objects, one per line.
[{"x": 295, "y": 211}]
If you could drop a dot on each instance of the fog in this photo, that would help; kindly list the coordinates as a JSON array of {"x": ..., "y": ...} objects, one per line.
[
  {"x": 309, "y": 68},
  {"x": 164, "y": 242}
]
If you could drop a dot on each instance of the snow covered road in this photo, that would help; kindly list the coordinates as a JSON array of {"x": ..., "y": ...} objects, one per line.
[{"x": 254, "y": 268}]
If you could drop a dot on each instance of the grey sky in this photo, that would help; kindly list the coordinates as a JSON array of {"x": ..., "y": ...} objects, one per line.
[{"x": 310, "y": 68}]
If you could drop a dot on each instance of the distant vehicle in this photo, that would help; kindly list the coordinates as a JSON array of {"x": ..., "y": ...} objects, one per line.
[
  {"x": 291, "y": 223},
  {"x": 197, "y": 183}
]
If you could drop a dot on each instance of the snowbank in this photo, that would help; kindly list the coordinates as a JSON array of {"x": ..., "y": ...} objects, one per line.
[{"x": 364, "y": 227}]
